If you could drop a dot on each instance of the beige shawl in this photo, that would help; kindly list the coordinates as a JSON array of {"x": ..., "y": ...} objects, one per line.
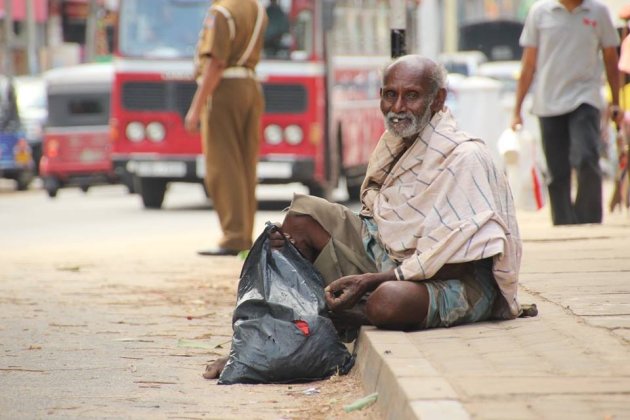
[{"x": 443, "y": 201}]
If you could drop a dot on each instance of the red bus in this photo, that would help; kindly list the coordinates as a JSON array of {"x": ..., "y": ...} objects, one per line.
[{"x": 320, "y": 75}]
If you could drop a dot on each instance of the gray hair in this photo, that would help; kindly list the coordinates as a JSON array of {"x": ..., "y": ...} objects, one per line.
[
  {"x": 437, "y": 73},
  {"x": 438, "y": 77}
]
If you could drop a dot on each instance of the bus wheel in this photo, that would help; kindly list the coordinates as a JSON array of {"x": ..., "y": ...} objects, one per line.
[
  {"x": 354, "y": 192},
  {"x": 319, "y": 190},
  {"x": 51, "y": 185},
  {"x": 152, "y": 191},
  {"x": 205, "y": 190},
  {"x": 24, "y": 179},
  {"x": 128, "y": 181}
]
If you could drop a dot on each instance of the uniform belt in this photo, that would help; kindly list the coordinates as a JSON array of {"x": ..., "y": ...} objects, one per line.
[{"x": 238, "y": 73}]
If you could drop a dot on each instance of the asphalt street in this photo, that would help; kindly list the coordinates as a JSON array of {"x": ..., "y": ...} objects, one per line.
[{"x": 106, "y": 311}]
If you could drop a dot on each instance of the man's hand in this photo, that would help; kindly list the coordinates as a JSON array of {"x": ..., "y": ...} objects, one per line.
[
  {"x": 517, "y": 122},
  {"x": 616, "y": 115},
  {"x": 211, "y": 74},
  {"x": 345, "y": 292},
  {"x": 277, "y": 238},
  {"x": 191, "y": 123}
]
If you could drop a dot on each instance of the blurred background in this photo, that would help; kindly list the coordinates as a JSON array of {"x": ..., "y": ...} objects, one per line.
[{"x": 94, "y": 91}]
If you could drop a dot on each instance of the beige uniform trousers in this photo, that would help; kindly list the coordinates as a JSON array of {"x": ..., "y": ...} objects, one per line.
[{"x": 231, "y": 137}]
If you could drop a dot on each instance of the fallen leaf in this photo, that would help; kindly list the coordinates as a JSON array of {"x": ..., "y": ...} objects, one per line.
[
  {"x": 243, "y": 254},
  {"x": 71, "y": 268},
  {"x": 361, "y": 403}
]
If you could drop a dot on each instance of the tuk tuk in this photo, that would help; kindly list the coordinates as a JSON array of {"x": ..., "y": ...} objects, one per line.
[
  {"x": 76, "y": 146},
  {"x": 16, "y": 158}
]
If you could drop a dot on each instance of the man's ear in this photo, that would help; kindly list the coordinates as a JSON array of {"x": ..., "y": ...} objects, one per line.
[{"x": 438, "y": 102}]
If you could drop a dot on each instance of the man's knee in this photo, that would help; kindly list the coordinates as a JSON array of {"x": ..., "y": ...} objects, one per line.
[
  {"x": 306, "y": 234},
  {"x": 295, "y": 224},
  {"x": 302, "y": 227},
  {"x": 398, "y": 305}
]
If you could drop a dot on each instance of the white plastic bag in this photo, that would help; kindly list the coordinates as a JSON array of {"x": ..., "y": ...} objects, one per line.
[{"x": 518, "y": 151}]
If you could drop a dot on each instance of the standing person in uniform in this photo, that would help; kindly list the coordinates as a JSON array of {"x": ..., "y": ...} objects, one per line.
[
  {"x": 229, "y": 104},
  {"x": 561, "y": 43}
]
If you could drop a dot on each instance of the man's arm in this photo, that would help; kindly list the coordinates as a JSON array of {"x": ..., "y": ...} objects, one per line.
[
  {"x": 346, "y": 292},
  {"x": 611, "y": 60},
  {"x": 528, "y": 68},
  {"x": 210, "y": 77}
]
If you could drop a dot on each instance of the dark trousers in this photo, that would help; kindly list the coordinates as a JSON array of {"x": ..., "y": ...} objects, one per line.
[{"x": 571, "y": 142}]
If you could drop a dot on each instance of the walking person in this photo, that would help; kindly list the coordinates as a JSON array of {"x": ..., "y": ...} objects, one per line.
[
  {"x": 562, "y": 41},
  {"x": 228, "y": 103}
]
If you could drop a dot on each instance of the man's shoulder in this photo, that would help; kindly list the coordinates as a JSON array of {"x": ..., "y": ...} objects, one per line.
[
  {"x": 470, "y": 147},
  {"x": 447, "y": 129},
  {"x": 595, "y": 5},
  {"x": 543, "y": 7},
  {"x": 237, "y": 6},
  {"x": 473, "y": 151},
  {"x": 602, "y": 11}
]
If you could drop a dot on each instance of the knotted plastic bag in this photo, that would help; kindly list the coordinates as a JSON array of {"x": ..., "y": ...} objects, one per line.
[{"x": 281, "y": 332}]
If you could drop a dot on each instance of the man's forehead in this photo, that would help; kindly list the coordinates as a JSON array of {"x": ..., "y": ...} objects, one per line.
[{"x": 404, "y": 73}]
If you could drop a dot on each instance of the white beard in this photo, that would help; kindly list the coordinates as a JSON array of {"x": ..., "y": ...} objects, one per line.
[{"x": 410, "y": 129}]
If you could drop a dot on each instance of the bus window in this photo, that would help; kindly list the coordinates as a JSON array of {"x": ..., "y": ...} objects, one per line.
[
  {"x": 348, "y": 29},
  {"x": 497, "y": 39},
  {"x": 84, "y": 106},
  {"x": 73, "y": 109},
  {"x": 381, "y": 26},
  {"x": 168, "y": 29},
  {"x": 340, "y": 38},
  {"x": 277, "y": 33},
  {"x": 304, "y": 42},
  {"x": 367, "y": 28},
  {"x": 289, "y": 33},
  {"x": 353, "y": 26},
  {"x": 362, "y": 27},
  {"x": 377, "y": 31}
]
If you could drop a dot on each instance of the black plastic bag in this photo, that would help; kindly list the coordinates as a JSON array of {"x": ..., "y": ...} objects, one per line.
[{"x": 281, "y": 330}]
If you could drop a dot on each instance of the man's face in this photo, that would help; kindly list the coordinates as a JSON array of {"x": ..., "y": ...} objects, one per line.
[{"x": 405, "y": 102}]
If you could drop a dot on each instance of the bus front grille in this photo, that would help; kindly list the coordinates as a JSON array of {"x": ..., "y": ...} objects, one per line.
[
  {"x": 285, "y": 99},
  {"x": 176, "y": 96}
]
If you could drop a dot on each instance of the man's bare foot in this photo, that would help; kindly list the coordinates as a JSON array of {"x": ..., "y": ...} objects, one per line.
[{"x": 214, "y": 369}]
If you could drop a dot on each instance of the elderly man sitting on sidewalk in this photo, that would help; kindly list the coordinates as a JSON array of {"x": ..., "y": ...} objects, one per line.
[{"x": 436, "y": 243}]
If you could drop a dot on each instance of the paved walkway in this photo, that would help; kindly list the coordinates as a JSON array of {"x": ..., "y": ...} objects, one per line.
[{"x": 572, "y": 361}]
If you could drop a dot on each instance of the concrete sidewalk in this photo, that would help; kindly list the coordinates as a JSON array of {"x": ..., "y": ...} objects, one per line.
[{"x": 572, "y": 361}]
